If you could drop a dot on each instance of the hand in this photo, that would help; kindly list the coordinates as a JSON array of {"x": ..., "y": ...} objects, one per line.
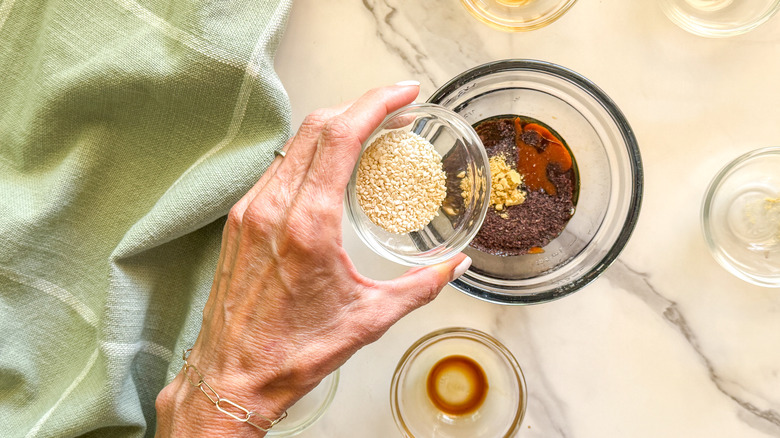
[{"x": 287, "y": 306}]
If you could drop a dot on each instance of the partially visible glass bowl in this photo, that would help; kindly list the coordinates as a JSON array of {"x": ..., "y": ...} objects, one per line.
[
  {"x": 719, "y": 18},
  {"x": 500, "y": 414},
  {"x": 310, "y": 408},
  {"x": 610, "y": 175},
  {"x": 740, "y": 217},
  {"x": 517, "y": 15},
  {"x": 459, "y": 217}
]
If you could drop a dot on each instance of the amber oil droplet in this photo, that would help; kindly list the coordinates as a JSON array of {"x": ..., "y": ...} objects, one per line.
[{"x": 457, "y": 385}]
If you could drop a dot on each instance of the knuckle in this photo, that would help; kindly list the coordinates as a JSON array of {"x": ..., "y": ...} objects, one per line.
[
  {"x": 314, "y": 122},
  {"x": 430, "y": 287},
  {"x": 338, "y": 130},
  {"x": 370, "y": 326},
  {"x": 370, "y": 330},
  {"x": 235, "y": 217},
  {"x": 258, "y": 220},
  {"x": 308, "y": 372},
  {"x": 429, "y": 292},
  {"x": 425, "y": 291}
]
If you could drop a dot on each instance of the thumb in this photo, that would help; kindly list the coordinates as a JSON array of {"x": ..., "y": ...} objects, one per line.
[{"x": 419, "y": 286}]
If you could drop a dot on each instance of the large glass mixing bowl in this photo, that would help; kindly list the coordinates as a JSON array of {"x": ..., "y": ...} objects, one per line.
[{"x": 610, "y": 176}]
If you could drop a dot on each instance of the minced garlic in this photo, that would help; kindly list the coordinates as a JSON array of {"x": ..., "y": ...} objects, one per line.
[{"x": 504, "y": 186}]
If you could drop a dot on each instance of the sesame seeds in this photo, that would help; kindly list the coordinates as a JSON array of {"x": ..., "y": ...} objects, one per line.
[{"x": 400, "y": 182}]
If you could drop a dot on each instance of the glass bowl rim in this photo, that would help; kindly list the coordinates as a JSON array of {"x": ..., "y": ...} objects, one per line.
[
  {"x": 714, "y": 32},
  {"x": 629, "y": 142},
  {"x": 502, "y": 24},
  {"x": 472, "y": 334},
  {"x": 468, "y": 233},
  {"x": 335, "y": 376},
  {"x": 706, "y": 209}
]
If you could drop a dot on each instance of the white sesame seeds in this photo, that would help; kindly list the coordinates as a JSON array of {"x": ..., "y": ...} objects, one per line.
[{"x": 400, "y": 182}]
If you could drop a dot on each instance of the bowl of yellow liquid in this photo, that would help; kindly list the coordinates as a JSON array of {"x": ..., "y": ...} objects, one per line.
[{"x": 517, "y": 15}]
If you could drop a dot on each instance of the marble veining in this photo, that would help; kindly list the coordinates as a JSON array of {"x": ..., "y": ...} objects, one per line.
[
  {"x": 639, "y": 284},
  {"x": 549, "y": 411},
  {"x": 665, "y": 343},
  {"x": 432, "y": 38},
  {"x": 412, "y": 55}
]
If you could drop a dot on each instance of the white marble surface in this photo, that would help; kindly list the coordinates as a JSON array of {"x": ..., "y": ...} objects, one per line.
[{"x": 666, "y": 343}]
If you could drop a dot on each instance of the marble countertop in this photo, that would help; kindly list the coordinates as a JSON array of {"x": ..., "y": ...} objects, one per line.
[{"x": 666, "y": 343}]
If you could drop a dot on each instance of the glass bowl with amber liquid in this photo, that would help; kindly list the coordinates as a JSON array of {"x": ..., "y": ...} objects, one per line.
[{"x": 458, "y": 382}]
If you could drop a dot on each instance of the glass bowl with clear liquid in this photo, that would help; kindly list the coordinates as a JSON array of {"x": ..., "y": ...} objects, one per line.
[
  {"x": 741, "y": 217},
  {"x": 719, "y": 18}
]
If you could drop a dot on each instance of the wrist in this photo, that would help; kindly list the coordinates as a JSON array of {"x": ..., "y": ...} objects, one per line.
[{"x": 195, "y": 404}]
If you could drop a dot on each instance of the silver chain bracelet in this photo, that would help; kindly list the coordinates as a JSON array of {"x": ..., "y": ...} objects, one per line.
[{"x": 222, "y": 403}]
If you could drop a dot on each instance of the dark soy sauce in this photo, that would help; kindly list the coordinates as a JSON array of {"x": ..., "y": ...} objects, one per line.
[{"x": 550, "y": 179}]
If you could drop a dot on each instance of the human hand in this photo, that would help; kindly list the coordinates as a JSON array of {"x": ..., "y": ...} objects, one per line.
[{"x": 287, "y": 306}]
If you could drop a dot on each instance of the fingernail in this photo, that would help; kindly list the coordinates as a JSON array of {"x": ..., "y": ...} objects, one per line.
[
  {"x": 408, "y": 83},
  {"x": 461, "y": 268}
]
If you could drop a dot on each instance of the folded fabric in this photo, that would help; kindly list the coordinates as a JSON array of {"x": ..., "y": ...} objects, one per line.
[{"x": 128, "y": 128}]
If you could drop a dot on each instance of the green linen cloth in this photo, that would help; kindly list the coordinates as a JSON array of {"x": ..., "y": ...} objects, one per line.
[{"x": 128, "y": 128}]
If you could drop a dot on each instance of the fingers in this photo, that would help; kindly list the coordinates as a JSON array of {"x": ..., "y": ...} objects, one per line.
[
  {"x": 238, "y": 209},
  {"x": 342, "y": 136},
  {"x": 300, "y": 152},
  {"x": 276, "y": 189}
]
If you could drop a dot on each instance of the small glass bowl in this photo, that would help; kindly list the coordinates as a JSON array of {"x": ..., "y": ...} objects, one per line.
[
  {"x": 500, "y": 414},
  {"x": 740, "y": 217},
  {"x": 310, "y": 408},
  {"x": 719, "y": 18},
  {"x": 610, "y": 176},
  {"x": 459, "y": 217},
  {"x": 517, "y": 15}
]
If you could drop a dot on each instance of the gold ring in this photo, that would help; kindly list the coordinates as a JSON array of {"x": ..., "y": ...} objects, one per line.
[{"x": 279, "y": 153}]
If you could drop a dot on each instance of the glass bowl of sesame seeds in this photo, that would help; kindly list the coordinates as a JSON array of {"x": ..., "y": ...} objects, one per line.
[{"x": 420, "y": 189}]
